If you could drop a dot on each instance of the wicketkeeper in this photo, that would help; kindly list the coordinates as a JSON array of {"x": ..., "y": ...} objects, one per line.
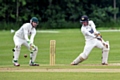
[
  {"x": 93, "y": 39},
  {"x": 25, "y": 36}
]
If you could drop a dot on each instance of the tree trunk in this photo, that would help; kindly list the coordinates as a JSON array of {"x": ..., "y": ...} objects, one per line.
[
  {"x": 17, "y": 10},
  {"x": 114, "y": 4}
]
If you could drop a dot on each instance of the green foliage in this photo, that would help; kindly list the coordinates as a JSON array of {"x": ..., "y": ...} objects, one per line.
[
  {"x": 9, "y": 26},
  {"x": 58, "y": 13}
]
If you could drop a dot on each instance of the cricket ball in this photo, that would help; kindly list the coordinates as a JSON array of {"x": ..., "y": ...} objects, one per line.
[{"x": 25, "y": 55}]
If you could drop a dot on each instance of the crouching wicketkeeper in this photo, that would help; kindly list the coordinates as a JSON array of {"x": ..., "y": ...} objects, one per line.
[{"x": 21, "y": 37}]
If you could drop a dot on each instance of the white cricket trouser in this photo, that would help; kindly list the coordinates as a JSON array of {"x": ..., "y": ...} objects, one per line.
[
  {"x": 89, "y": 45},
  {"x": 18, "y": 43}
]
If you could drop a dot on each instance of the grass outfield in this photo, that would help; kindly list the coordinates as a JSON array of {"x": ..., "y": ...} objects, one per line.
[
  {"x": 70, "y": 44},
  {"x": 59, "y": 76}
]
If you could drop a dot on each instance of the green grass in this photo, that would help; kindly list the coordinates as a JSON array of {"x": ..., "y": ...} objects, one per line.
[
  {"x": 59, "y": 76},
  {"x": 70, "y": 43}
]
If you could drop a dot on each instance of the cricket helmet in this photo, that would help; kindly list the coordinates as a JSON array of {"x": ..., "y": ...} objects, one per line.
[
  {"x": 34, "y": 19},
  {"x": 84, "y": 18}
]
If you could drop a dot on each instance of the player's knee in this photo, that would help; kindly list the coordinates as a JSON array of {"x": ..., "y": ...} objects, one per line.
[
  {"x": 106, "y": 46},
  {"x": 17, "y": 48},
  {"x": 84, "y": 56}
]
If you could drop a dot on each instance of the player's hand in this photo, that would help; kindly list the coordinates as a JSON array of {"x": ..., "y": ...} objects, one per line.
[
  {"x": 29, "y": 42},
  {"x": 98, "y": 36},
  {"x": 32, "y": 46}
]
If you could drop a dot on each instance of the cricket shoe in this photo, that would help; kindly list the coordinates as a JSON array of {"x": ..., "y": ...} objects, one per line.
[
  {"x": 34, "y": 64},
  {"x": 104, "y": 63},
  {"x": 73, "y": 63},
  {"x": 16, "y": 64}
]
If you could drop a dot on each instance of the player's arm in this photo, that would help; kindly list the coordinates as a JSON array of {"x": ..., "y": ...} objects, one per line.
[
  {"x": 25, "y": 31},
  {"x": 32, "y": 46},
  {"x": 96, "y": 33},
  {"x": 32, "y": 36},
  {"x": 92, "y": 24},
  {"x": 88, "y": 33}
]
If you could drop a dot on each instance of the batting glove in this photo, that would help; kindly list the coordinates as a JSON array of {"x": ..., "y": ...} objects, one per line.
[{"x": 98, "y": 36}]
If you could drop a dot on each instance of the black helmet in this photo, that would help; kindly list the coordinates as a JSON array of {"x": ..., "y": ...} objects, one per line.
[{"x": 84, "y": 18}]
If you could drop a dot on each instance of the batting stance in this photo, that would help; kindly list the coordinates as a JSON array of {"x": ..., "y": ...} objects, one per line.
[
  {"x": 21, "y": 37},
  {"x": 93, "y": 39}
]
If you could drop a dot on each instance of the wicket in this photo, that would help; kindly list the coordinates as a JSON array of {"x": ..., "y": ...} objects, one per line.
[{"x": 52, "y": 51}]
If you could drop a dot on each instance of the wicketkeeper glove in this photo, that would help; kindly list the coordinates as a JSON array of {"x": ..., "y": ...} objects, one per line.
[{"x": 32, "y": 46}]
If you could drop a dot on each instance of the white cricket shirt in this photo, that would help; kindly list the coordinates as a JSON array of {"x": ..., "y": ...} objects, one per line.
[
  {"x": 89, "y": 30},
  {"x": 25, "y": 31}
]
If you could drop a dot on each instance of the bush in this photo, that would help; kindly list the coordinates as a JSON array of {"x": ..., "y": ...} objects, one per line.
[
  {"x": 60, "y": 25},
  {"x": 8, "y": 26}
]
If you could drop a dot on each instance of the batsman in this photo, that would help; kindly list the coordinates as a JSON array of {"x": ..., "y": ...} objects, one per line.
[
  {"x": 25, "y": 36},
  {"x": 93, "y": 39}
]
